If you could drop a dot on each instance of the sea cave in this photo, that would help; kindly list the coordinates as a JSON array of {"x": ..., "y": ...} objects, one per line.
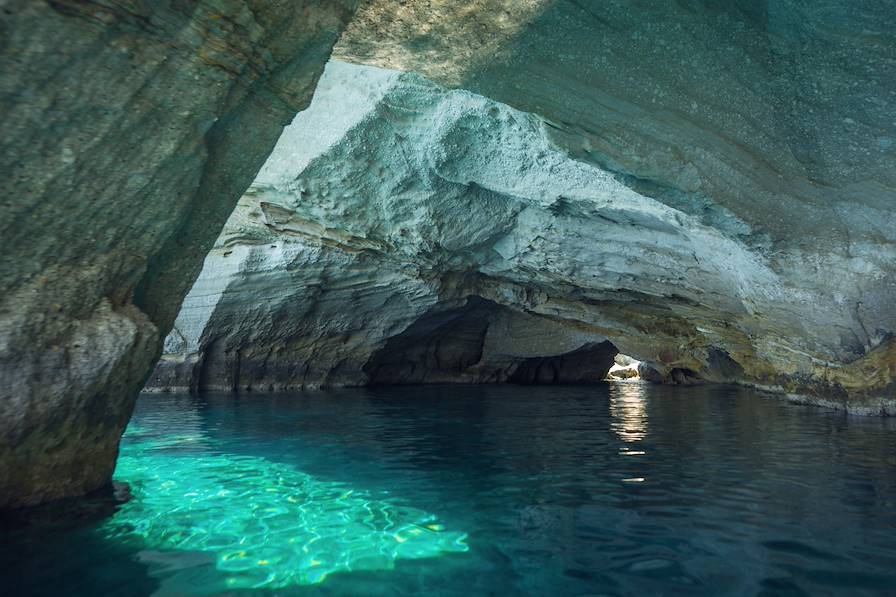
[{"x": 444, "y": 297}]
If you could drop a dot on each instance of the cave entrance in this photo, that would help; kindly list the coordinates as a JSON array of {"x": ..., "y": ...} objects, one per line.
[
  {"x": 479, "y": 341},
  {"x": 625, "y": 368}
]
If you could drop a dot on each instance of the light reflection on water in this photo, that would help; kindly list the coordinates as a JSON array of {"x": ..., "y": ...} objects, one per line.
[{"x": 629, "y": 411}]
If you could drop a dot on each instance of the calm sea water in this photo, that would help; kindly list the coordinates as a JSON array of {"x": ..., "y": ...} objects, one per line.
[{"x": 619, "y": 489}]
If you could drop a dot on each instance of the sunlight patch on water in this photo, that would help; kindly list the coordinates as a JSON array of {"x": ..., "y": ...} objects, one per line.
[{"x": 267, "y": 524}]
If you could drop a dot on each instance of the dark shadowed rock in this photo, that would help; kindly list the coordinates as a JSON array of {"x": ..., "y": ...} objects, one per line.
[{"x": 130, "y": 130}]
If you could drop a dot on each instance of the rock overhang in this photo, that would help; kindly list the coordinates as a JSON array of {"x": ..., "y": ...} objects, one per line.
[{"x": 473, "y": 198}]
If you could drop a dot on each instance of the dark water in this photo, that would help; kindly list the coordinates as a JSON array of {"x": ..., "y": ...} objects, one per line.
[{"x": 622, "y": 489}]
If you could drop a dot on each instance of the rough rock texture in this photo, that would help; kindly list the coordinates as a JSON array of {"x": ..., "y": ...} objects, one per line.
[
  {"x": 758, "y": 131},
  {"x": 771, "y": 122},
  {"x": 420, "y": 196},
  {"x": 349, "y": 263},
  {"x": 623, "y": 373},
  {"x": 130, "y": 130},
  {"x": 624, "y": 367}
]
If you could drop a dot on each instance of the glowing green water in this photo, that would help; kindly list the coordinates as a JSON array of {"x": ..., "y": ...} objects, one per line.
[{"x": 267, "y": 524}]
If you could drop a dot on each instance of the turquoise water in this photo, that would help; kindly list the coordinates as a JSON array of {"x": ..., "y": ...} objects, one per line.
[
  {"x": 265, "y": 524},
  {"x": 618, "y": 489}
]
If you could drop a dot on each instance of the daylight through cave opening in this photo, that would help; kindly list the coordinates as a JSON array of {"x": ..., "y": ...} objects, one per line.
[
  {"x": 401, "y": 232},
  {"x": 546, "y": 265}
]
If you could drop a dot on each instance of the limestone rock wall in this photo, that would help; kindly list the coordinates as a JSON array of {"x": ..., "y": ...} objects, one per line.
[
  {"x": 426, "y": 196},
  {"x": 646, "y": 140},
  {"x": 130, "y": 130},
  {"x": 300, "y": 291},
  {"x": 721, "y": 109},
  {"x": 768, "y": 121}
]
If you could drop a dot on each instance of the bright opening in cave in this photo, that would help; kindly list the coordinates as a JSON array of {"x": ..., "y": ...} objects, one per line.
[{"x": 624, "y": 368}]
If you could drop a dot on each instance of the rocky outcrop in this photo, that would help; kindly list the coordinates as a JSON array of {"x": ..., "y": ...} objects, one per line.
[
  {"x": 347, "y": 263},
  {"x": 769, "y": 122},
  {"x": 624, "y": 367},
  {"x": 130, "y": 130},
  {"x": 482, "y": 342},
  {"x": 352, "y": 249},
  {"x": 723, "y": 110}
]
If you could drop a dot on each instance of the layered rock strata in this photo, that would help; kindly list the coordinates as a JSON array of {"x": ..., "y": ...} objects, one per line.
[
  {"x": 769, "y": 122},
  {"x": 297, "y": 293},
  {"x": 131, "y": 128},
  {"x": 359, "y": 237}
]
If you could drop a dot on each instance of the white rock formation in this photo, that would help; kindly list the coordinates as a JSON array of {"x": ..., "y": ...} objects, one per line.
[
  {"x": 771, "y": 123},
  {"x": 305, "y": 296},
  {"x": 391, "y": 200}
]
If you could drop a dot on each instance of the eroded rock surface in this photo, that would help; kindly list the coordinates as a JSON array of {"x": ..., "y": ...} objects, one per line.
[
  {"x": 363, "y": 272},
  {"x": 729, "y": 214},
  {"x": 770, "y": 122},
  {"x": 421, "y": 197},
  {"x": 723, "y": 110},
  {"x": 130, "y": 130}
]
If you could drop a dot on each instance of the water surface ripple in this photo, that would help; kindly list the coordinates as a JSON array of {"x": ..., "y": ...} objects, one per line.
[{"x": 618, "y": 489}]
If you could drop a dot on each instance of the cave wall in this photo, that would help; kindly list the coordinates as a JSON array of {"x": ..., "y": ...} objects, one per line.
[
  {"x": 130, "y": 131},
  {"x": 721, "y": 109},
  {"x": 346, "y": 262},
  {"x": 131, "y": 128},
  {"x": 771, "y": 122},
  {"x": 483, "y": 342},
  {"x": 425, "y": 195}
]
